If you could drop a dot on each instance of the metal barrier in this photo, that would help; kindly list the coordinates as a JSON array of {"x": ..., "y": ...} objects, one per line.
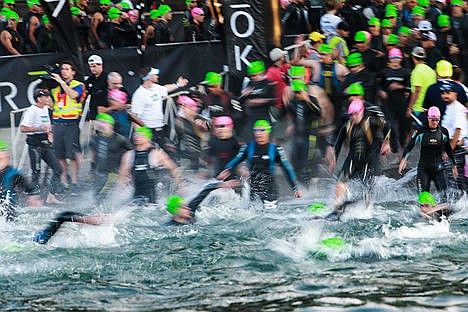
[{"x": 15, "y": 135}]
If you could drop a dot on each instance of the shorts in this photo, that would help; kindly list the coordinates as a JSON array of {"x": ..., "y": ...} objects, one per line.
[{"x": 66, "y": 140}]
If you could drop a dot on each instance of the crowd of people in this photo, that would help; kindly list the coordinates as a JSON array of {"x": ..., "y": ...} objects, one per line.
[
  {"x": 372, "y": 95},
  {"x": 111, "y": 26}
]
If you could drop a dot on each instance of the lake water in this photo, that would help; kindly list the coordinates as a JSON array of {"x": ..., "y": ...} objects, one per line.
[{"x": 240, "y": 258}]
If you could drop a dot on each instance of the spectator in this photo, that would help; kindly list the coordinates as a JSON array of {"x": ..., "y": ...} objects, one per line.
[
  {"x": 98, "y": 23},
  {"x": 376, "y": 9},
  {"x": 329, "y": 21},
  {"x": 194, "y": 31},
  {"x": 338, "y": 43},
  {"x": 147, "y": 102},
  {"x": 422, "y": 77},
  {"x": 162, "y": 32},
  {"x": 95, "y": 84},
  {"x": 36, "y": 124},
  {"x": 295, "y": 19},
  {"x": 277, "y": 73},
  {"x": 433, "y": 97},
  {"x": 30, "y": 21},
  {"x": 433, "y": 55},
  {"x": 68, "y": 97},
  {"x": 9, "y": 37}
]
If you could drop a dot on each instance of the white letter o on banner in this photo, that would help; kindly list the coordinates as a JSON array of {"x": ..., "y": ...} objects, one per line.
[{"x": 250, "y": 21}]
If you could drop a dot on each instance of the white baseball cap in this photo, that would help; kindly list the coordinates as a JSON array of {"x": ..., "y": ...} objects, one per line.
[
  {"x": 425, "y": 25},
  {"x": 94, "y": 59}
]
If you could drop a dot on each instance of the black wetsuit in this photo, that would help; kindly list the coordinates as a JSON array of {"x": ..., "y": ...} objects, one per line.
[
  {"x": 222, "y": 151},
  {"x": 189, "y": 142},
  {"x": 109, "y": 151},
  {"x": 10, "y": 179},
  {"x": 46, "y": 234},
  {"x": 396, "y": 104},
  {"x": 364, "y": 143},
  {"x": 145, "y": 176},
  {"x": 261, "y": 160},
  {"x": 433, "y": 143},
  {"x": 15, "y": 42},
  {"x": 304, "y": 144},
  {"x": 162, "y": 33}
]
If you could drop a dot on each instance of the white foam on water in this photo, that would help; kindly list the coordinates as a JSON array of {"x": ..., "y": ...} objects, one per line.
[{"x": 419, "y": 230}]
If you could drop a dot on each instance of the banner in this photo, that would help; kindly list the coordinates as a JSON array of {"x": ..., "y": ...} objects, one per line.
[
  {"x": 252, "y": 29},
  {"x": 191, "y": 60}
]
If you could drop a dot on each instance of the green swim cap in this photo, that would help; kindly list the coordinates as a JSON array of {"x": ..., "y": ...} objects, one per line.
[
  {"x": 154, "y": 14},
  {"x": 105, "y": 117},
  {"x": 263, "y": 123},
  {"x": 298, "y": 85},
  {"x": 360, "y": 36},
  {"x": 443, "y": 20},
  {"x": 45, "y": 19},
  {"x": 256, "y": 67},
  {"x": 30, "y": 3},
  {"x": 426, "y": 198},
  {"x": 124, "y": 5},
  {"x": 174, "y": 203},
  {"x": 355, "y": 89},
  {"x": 424, "y": 3},
  {"x": 391, "y": 7},
  {"x": 456, "y": 3},
  {"x": 213, "y": 78},
  {"x": 145, "y": 131},
  {"x": 113, "y": 13},
  {"x": 404, "y": 30},
  {"x": 297, "y": 71},
  {"x": 325, "y": 48},
  {"x": 391, "y": 13},
  {"x": 9, "y": 2},
  {"x": 12, "y": 14},
  {"x": 105, "y": 2},
  {"x": 392, "y": 39},
  {"x": 374, "y": 22},
  {"x": 386, "y": 23},
  {"x": 417, "y": 10},
  {"x": 164, "y": 8},
  {"x": 333, "y": 242},
  {"x": 354, "y": 59},
  {"x": 4, "y": 146},
  {"x": 75, "y": 11},
  {"x": 316, "y": 207}
]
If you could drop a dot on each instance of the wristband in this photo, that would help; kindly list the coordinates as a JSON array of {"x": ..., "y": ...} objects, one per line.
[{"x": 294, "y": 189}]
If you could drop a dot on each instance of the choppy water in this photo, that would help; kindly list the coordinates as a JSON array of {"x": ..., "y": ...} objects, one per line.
[{"x": 240, "y": 258}]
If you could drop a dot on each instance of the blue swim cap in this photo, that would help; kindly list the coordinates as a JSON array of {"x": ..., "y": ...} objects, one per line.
[{"x": 42, "y": 237}]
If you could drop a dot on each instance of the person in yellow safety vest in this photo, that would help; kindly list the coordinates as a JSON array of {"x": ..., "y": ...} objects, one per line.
[
  {"x": 68, "y": 97},
  {"x": 338, "y": 43}
]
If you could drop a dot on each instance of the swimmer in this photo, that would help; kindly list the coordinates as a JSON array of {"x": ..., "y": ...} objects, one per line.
[
  {"x": 182, "y": 213},
  {"x": 43, "y": 236},
  {"x": 428, "y": 207}
]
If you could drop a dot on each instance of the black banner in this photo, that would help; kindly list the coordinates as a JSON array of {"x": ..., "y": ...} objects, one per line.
[
  {"x": 58, "y": 12},
  {"x": 252, "y": 29},
  {"x": 191, "y": 60}
]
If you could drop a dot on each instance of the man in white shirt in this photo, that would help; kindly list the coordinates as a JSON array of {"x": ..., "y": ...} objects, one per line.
[
  {"x": 147, "y": 102},
  {"x": 329, "y": 21},
  {"x": 454, "y": 120},
  {"x": 36, "y": 124}
]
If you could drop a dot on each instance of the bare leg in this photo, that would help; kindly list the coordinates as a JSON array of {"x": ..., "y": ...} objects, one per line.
[
  {"x": 63, "y": 176},
  {"x": 74, "y": 171}
]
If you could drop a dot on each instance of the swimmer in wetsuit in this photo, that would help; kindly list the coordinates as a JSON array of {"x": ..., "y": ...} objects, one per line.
[
  {"x": 262, "y": 156},
  {"x": 182, "y": 213},
  {"x": 10, "y": 180},
  {"x": 429, "y": 209},
  {"x": 435, "y": 146},
  {"x": 362, "y": 162},
  {"x": 43, "y": 236}
]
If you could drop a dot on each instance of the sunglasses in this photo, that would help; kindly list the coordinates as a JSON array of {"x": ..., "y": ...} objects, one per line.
[
  {"x": 434, "y": 119},
  {"x": 360, "y": 42},
  {"x": 43, "y": 93},
  {"x": 259, "y": 130}
]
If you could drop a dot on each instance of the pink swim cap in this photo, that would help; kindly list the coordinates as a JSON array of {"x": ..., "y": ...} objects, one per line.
[
  {"x": 394, "y": 53},
  {"x": 118, "y": 95},
  {"x": 368, "y": 36},
  {"x": 224, "y": 121},
  {"x": 356, "y": 107},
  {"x": 196, "y": 12},
  {"x": 433, "y": 113},
  {"x": 186, "y": 101}
]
